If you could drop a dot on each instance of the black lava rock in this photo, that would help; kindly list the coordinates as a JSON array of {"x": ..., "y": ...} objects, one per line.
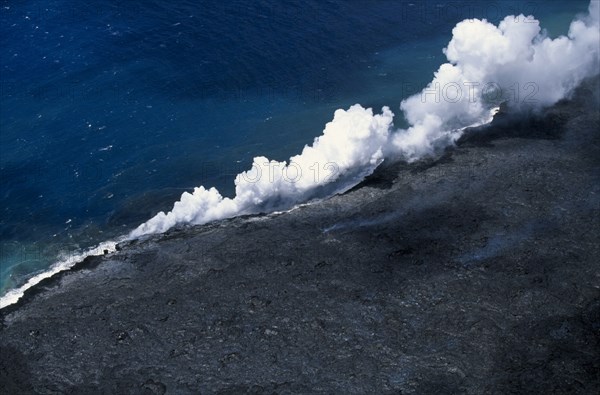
[{"x": 474, "y": 273}]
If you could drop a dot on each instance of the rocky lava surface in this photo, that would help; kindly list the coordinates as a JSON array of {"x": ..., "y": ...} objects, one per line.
[{"x": 478, "y": 272}]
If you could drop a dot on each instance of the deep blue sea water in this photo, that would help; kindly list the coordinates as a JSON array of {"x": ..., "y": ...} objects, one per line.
[{"x": 109, "y": 110}]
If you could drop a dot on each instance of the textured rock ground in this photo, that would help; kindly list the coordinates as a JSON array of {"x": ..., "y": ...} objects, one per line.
[{"x": 475, "y": 273}]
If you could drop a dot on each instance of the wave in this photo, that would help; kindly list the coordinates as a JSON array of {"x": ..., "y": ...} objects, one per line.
[{"x": 66, "y": 263}]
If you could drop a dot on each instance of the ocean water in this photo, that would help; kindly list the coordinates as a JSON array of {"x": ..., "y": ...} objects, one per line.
[{"x": 110, "y": 110}]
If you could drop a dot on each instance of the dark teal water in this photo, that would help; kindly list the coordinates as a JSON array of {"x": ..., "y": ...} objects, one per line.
[{"x": 110, "y": 110}]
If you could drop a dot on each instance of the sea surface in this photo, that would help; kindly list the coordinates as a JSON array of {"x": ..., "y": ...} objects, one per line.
[{"x": 109, "y": 110}]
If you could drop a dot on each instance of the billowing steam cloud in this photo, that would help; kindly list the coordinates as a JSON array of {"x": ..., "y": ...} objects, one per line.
[
  {"x": 350, "y": 148},
  {"x": 513, "y": 62}
]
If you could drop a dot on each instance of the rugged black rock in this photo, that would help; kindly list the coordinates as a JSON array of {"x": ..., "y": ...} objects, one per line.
[{"x": 474, "y": 273}]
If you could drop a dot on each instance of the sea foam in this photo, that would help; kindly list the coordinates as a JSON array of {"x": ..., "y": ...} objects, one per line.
[{"x": 63, "y": 264}]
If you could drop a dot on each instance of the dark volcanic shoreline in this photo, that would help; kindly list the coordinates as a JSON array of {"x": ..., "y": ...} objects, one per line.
[{"x": 474, "y": 273}]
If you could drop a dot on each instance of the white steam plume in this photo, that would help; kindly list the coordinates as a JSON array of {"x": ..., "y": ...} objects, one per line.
[
  {"x": 350, "y": 148},
  {"x": 514, "y": 62}
]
